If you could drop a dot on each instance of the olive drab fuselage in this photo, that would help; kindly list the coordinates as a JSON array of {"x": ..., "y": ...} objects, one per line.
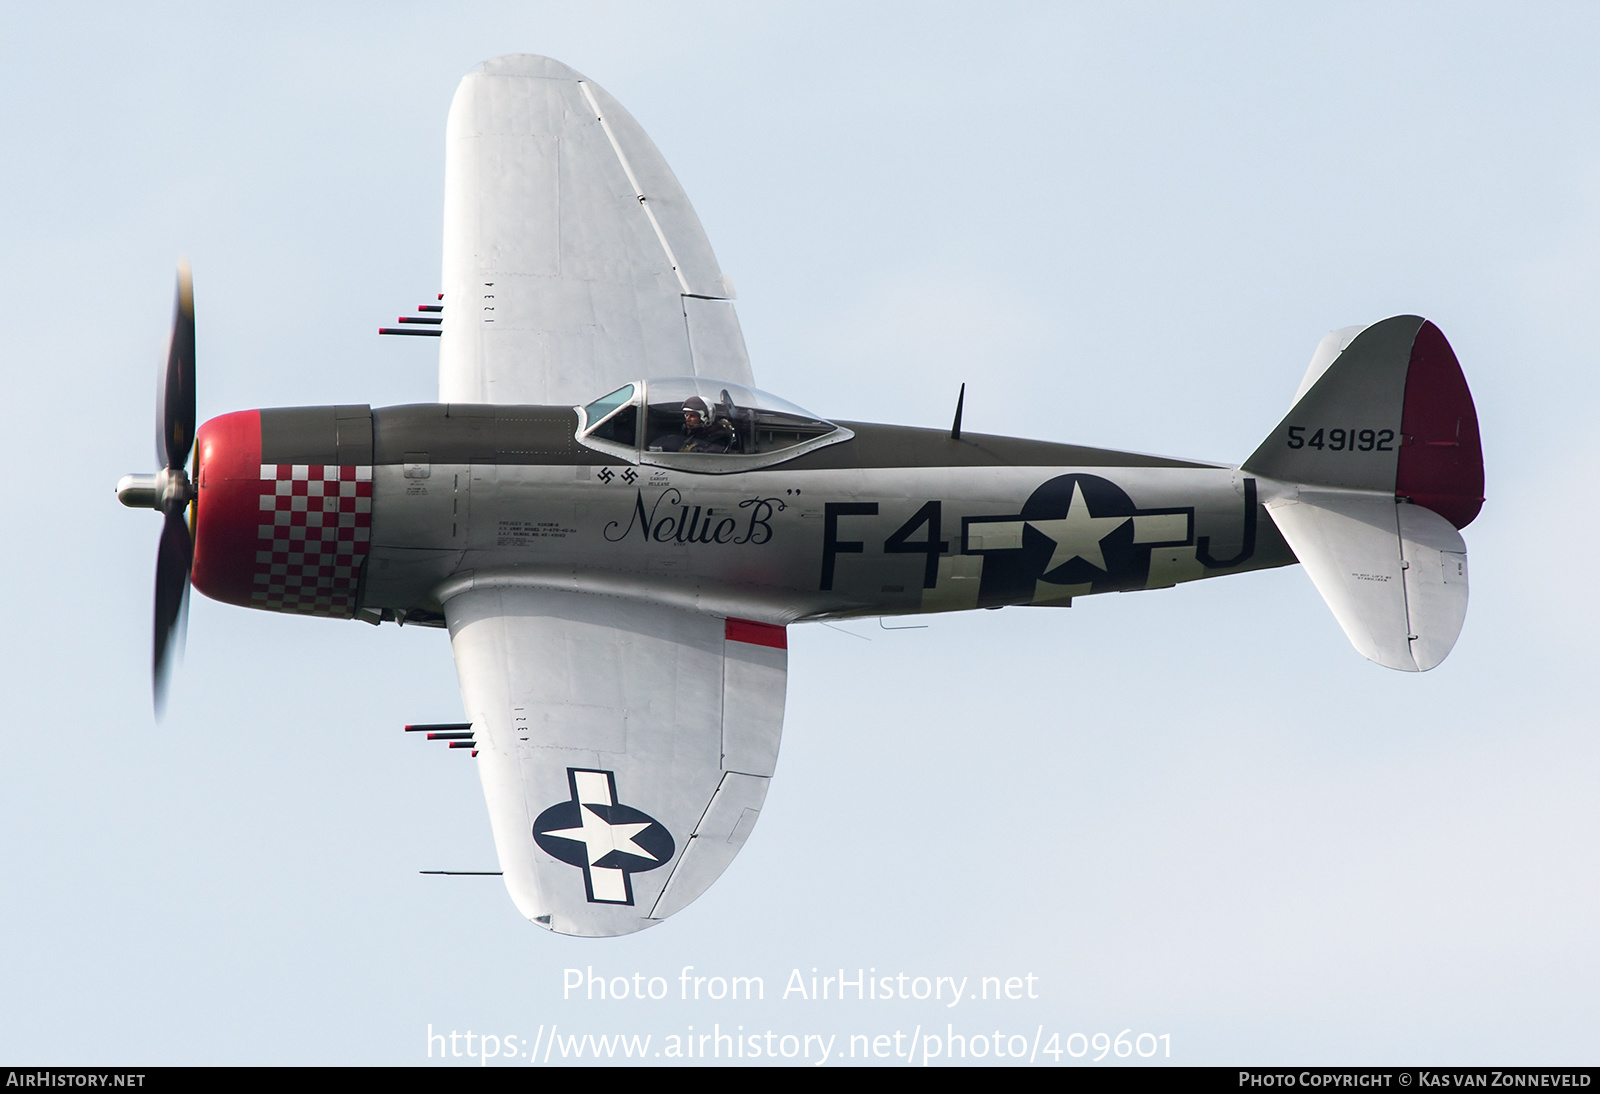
[{"x": 431, "y": 500}]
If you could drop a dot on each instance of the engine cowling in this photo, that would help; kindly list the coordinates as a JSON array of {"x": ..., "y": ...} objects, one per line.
[{"x": 283, "y": 516}]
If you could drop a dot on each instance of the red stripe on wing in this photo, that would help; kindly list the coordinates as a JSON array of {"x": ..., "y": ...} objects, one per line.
[{"x": 757, "y": 634}]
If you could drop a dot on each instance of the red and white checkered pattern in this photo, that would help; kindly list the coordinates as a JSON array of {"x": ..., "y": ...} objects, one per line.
[{"x": 316, "y": 524}]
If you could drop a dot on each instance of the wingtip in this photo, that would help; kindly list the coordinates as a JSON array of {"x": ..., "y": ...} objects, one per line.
[{"x": 527, "y": 64}]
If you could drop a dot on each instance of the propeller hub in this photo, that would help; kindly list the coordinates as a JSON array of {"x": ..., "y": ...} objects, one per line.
[
  {"x": 167, "y": 491},
  {"x": 138, "y": 491},
  {"x": 173, "y": 490}
]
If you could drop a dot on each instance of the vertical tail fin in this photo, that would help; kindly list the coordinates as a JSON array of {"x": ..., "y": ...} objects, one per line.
[
  {"x": 1375, "y": 467},
  {"x": 1389, "y": 410}
]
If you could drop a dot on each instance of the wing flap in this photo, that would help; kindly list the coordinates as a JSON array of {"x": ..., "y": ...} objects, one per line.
[
  {"x": 753, "y": 686},
  {"x": 715, "y": 340}
]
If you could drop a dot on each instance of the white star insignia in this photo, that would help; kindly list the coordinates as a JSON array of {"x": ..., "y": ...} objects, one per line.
[
  {"x": 600, "y": 837},
  {"x": 1078, "y": 534}
]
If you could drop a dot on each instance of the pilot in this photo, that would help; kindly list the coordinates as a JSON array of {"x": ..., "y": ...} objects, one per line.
[{"x": 701, "y": 433}]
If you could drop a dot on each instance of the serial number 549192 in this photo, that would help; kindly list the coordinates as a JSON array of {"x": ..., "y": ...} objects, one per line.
[{"x": 1343, "y": 440}]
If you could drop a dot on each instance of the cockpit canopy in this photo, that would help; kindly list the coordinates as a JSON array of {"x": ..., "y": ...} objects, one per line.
[{"x": 701, "y": 424}]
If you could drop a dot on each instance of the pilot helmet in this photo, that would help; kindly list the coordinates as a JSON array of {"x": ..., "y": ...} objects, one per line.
[{"x": 696, "y": 405}]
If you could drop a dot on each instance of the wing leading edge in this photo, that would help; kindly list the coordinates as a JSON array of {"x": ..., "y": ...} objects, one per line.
[
  {"x": 573, "y": 261},
  {"x": 625, "y": 747}
]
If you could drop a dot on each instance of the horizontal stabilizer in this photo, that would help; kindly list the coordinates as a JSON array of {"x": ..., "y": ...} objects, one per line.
[{"x": 1393, "y": 573}]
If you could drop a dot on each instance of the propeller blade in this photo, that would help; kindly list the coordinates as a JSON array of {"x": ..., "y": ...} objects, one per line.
[
  {"x": 173, "y": 561},
  {"x": 177, "y": 384}
]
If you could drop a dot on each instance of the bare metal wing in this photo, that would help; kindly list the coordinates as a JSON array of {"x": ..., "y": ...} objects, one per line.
[
  {"x": 624, "y": 746},
  {"x": 573, "y": 262}
]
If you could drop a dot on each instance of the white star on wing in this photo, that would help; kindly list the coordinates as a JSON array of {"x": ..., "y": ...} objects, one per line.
[
  {"x": 600, "y": 837},
  {"x": 1078, "y": 534}
]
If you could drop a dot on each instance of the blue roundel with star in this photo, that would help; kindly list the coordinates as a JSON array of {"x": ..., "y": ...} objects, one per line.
[
  {"x": 1074, "y": 530},
  {"x": 608, "y": 841}
]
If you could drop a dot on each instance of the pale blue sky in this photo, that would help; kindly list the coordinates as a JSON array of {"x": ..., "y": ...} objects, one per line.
[{"x": 1196, "y": 811}]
